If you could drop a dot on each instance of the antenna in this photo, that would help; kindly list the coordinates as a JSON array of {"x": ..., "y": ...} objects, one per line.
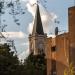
[{"x": 56, "y": 31}]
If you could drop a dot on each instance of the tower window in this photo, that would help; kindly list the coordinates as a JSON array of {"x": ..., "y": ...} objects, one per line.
[{"x": 53, "y": 48}]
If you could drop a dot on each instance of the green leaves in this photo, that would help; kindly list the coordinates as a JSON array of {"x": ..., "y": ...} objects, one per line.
[
  {"x": 10, "y": 65},
  {"x": 35, "y": 64},
  {"x": 70, "y": 70},
  {"x": 7, "y": 60}
]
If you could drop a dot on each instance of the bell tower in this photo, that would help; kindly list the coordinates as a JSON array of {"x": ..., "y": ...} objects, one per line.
[{"x": 38, "y": 37}]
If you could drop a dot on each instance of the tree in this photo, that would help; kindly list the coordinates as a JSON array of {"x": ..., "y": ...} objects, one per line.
[
  {"x": 8, "y": 61},
  {"x": 35, "y": 64},
  {"x": 10, "y": 65},
  {"x": 70, "y": 70}
]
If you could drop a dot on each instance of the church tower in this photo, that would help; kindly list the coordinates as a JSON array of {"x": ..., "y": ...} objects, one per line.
[{"x": 38, "y": 37}]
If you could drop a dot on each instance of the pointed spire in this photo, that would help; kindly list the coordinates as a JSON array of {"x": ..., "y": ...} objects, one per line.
[{"x": 38, "y": 28}]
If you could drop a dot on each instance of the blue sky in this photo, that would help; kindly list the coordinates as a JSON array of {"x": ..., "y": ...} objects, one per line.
[{"x": 58, "y": 7}]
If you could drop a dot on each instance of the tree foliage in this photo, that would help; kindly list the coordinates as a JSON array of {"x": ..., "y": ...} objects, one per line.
[
  {"x": 10, "y": 65},
  {"x": 70, "y": 70},
  {"x": 8, "y": 61},
  {"x": 36, "y": 64}
]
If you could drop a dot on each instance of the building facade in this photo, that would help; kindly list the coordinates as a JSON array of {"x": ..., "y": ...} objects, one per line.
[{"x": 60, "y": 50}]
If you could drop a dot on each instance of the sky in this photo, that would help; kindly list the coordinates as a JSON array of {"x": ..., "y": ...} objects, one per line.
[{"x": 50, "y": 11}]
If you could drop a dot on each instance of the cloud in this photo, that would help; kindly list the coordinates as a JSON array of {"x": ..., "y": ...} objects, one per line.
[
  {"x": 25, "y": 44},
  {"x": 30, "y": 27},
  {"x": 14, "y": 34},
  {"x": 31, "y": 8},
  {"x": 53, "y": 36}
]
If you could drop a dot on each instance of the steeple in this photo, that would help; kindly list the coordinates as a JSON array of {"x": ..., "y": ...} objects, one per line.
[{"x": 37, "y": 27}]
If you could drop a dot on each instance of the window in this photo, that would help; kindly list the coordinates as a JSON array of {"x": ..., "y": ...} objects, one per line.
[{"x": 53, "y": 48}]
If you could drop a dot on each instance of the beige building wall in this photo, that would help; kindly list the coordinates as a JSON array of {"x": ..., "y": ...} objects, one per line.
[
  {"x": 50, "y": 42},
  {"x": 48, "y": 54},
  {"x": 62, "y": 53}
]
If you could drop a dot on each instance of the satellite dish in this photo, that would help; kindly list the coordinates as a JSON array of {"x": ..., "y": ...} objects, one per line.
[{"x": 56, "y": 31}]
